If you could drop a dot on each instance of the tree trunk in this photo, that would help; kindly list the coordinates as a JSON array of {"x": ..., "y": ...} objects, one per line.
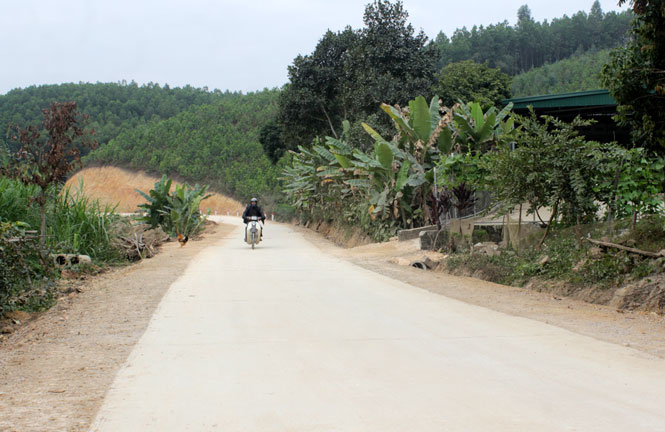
[
  {"x": 519, "y": 231},
  {"x": 578, "y": 233},
  {"x": 549, "y": 224},
  {"x": 42, "y": 210},
  {"x": 329, "y": 121}
]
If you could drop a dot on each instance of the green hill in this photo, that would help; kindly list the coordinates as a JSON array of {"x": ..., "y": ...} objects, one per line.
[
  {"x": 113, "y": 107},
  {"x": 215, "y": 144},
  {"x": 577, "y": 73}
]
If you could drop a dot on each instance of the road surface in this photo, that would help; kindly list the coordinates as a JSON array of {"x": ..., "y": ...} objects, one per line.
[{"x": 288, "y": 338}]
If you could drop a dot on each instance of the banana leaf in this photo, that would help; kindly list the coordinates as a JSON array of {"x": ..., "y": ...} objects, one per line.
[
  {"x": 445, "y": 142},
  {"x": 434, "y": 115},
  {"x": 399, "y": 121},
  {"x": 420, "y": 118},
  {"x": 402, "y": 176},
  {"x": 384, "y": 154}
]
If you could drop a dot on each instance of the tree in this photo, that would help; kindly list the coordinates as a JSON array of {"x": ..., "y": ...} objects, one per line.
[
  {"x": 552, "y": 166},
  {"x": 270, "y": 138},
  {"x": 46, "y": 161},
  {"x": 312, "y": 103},
  {"x": 350, "y": 73},
  {"x": 390, "y": 63},
  {"x": 472, "y": 82},
  {"x": 529, "y": 44},
  {"x": 635, "y": 76}
]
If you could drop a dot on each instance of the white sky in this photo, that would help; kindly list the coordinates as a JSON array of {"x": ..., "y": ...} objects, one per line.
[{"x": 235, "y": 45}]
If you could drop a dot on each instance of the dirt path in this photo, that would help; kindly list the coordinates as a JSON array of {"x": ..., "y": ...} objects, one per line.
[{"x": 55, "y": 370}]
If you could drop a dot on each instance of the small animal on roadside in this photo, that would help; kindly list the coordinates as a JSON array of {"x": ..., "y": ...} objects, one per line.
[{"x": 182, "y": 239}]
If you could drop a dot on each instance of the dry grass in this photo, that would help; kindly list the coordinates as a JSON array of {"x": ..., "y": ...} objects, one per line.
[{"x": 113, "y": 186}]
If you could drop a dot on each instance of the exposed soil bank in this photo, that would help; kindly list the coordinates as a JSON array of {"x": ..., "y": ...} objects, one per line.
[{"x": 116, "y": 186}]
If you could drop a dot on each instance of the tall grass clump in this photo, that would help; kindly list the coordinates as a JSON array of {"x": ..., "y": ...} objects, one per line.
[
  {"x": 16, "y": 202},
  {"x": 78, "y": 224}
]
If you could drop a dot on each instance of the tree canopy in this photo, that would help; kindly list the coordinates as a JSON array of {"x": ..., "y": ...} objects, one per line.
[
  {"x": 531, "y": 44},
  {"x": 217, "y": 144},
  {"x": 112, "y": 107},
  {"x": 635, "y": 76},
  {"x": 577, "y": 73},
  {"x": 471, "y": 81},
  {"x": 351, "y": 72}
]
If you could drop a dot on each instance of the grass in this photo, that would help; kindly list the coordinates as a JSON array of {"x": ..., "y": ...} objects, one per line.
[
  {"x": 570, "y": 262},
  {"x": 75, "y": 224},
  {"x": 81, "y": 225}
]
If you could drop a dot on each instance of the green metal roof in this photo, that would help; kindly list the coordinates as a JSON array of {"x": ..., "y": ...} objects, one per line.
[{"x": 564, "y": 100}]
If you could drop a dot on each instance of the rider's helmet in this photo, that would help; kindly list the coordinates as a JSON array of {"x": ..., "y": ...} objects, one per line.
[{"x": 253, "y": 201}]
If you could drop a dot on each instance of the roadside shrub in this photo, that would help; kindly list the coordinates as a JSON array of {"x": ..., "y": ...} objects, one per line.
[
  {"x": 26, "y": 273},
  {"x": 607, "y": 271},
  {"x": 176, "y": 212},
  {"x": 480, "y": 235},
  {"x": 498, "y": 269},
  {"x": 80, "y": 225},
  {"x": 649, "y": 233},
  {"x": 16, "y": 203},
  {"x": 285, "y": 212}
]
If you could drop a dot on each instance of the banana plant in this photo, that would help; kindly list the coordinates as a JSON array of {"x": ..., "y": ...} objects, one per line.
[
  {"x": 157, "y": 198},
  {"x": 478, "y": 131},
  {"x": 424, "y": 135},
  {"x": 176, "y": 212}
]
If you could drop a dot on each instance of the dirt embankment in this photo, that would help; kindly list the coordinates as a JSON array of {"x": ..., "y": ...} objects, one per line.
[
  {"x": 56, "y": 368},
  {"x": 112, "y": 185}
]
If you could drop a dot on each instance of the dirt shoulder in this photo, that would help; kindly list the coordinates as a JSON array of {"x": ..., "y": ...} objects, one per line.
[
  {"x": 639, "y": 330},
  {"x": 56, "y": 369}
]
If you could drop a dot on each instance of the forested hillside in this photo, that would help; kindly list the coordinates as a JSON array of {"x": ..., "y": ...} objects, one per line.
[
  {"x": 215, "y": 144},
  {"x": 112, "y": 107},
  {"x": 577, "y": 73},
  {"x": 530, "y": 43}
]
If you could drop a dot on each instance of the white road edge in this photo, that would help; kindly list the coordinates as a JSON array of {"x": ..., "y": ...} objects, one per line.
[{"x": 288, "y": 338}]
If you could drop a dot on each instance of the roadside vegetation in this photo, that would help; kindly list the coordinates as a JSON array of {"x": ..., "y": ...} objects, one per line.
[
  {"x": 561, "y": 258},
  {"x": 42, "y": 223},
  {"x": 378, "y": 129},
  {"x": 603, "y": 201},
  {"x": 178, "y": 212}
]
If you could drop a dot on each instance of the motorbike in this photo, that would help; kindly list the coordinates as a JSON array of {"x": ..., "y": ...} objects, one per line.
[{"x": 253, "y": 231}]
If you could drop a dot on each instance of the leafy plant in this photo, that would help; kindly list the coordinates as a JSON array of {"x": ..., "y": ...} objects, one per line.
[
  {"x": 78, "y": 224},
  {"x": 157, "y": 200},
  {"x": 25, "y": 272},
  {"x": 552, "y": 166},
  {"x": 176, "y": 212},
  {"x": 45, "y": 162}
]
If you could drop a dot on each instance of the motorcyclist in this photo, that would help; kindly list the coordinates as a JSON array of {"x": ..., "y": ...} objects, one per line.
[{"x": 253, "y": 209}]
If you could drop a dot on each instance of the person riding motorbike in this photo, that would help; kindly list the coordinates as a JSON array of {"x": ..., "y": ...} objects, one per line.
[{"x": 253, "y": 209}]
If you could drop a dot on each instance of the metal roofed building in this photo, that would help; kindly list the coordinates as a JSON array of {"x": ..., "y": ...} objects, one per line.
[{"x": 592, "y": 104}]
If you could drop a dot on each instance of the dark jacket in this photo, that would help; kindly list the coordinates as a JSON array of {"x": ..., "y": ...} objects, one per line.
[{"x": 251, "y": 210}]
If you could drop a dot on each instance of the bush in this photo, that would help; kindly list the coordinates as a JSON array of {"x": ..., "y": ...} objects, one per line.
[
  {"x": 649, "y": 233},
  {"x": 84, "y": 226},
  {"x": 176, "y": 212},
  {"x": 26, "y": 273}
]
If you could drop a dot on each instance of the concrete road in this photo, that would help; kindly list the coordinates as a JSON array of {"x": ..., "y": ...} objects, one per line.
[{"x": 288, "y": 338}]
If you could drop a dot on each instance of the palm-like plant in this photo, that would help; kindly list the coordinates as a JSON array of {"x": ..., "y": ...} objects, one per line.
[{"x": 177, "y": 212}]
